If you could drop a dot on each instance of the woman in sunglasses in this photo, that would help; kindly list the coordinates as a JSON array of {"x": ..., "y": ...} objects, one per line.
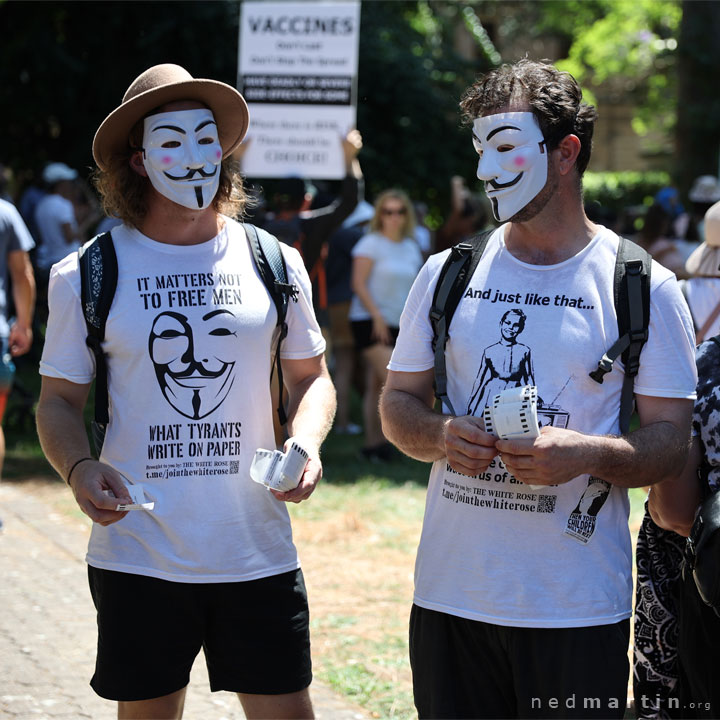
[{"x": 385, "y": 263}]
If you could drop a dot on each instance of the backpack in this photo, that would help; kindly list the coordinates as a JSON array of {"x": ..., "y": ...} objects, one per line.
[
  {"x": 632, "y": 306},
  {"x": 98, "y": 282}
]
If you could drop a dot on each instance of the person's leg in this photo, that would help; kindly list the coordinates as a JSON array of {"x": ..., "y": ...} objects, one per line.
[
  {"x": 7, "y": 374},
  {"x": 377, "y": 358},
  {"x": 168, "y": 707},
  {"x": 290, "y": 706},
  {"x": 459, "y": 668},
  {"x": 570, "y": 672},
  {"x": 258, "y": 644}
]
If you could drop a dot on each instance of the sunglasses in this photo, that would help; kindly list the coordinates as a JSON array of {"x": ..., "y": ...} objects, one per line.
[{"x": 393, "y": 211}]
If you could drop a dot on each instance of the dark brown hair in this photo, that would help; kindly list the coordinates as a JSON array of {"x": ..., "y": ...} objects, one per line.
[{"x": 554, "y": 97}]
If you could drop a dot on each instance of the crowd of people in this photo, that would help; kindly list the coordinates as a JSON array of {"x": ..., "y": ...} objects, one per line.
[{"x": 523, "y": 583}]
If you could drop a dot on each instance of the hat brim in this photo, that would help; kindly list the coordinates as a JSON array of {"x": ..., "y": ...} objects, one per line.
[
  {"x": 704, "y": 261},
  {"x": 227, "y": 105}
]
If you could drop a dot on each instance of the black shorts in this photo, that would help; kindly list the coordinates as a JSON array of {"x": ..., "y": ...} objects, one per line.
[
  {"x": 255, "y": 634},
  {"x": 469, "y": 669},
  {"x": 362, "y": 334}
]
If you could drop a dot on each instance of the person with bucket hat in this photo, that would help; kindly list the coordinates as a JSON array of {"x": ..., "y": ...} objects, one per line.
[
  {"x": 186, "y": 551},
  {"x": 702, "y": 289}
]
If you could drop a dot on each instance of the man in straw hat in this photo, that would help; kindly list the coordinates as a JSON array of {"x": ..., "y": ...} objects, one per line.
[{"x": 188, "y": 338}]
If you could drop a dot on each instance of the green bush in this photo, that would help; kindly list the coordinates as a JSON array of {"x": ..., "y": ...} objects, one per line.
[{"x": 614, "y": 192}]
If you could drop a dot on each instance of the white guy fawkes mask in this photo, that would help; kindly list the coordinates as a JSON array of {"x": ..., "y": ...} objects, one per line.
[
  {"x": 513, "y": 160},
  {"x": 183, "y": 155}
]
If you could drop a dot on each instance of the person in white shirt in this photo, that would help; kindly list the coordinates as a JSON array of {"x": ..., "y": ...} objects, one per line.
[
  {"x": 523, "y": 579},
  {"x": 189, "y": 341},
  {"x": 385, "y": 264}
]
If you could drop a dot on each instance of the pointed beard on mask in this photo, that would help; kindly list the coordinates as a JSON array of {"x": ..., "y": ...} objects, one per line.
[
  {"x": 182, "y": 156},
  {"x": 513, "y": 160}
]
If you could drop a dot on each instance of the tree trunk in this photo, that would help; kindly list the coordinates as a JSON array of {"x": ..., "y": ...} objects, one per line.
[{"x": 698, "y": 123}]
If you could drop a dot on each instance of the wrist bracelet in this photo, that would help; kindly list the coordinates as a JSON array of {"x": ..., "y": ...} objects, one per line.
[{"x": 75, "y": 464}]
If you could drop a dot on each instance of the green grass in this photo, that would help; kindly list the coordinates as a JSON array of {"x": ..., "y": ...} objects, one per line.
[{"x": 357, "y": 538}]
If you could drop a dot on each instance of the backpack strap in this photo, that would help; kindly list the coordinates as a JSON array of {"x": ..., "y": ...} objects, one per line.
[
  {"x": 270, "y": 263},
  {"x": 452, "y": 281},
  {"x": 98, "y": 282},
  {"x": 632, "y": 306}
]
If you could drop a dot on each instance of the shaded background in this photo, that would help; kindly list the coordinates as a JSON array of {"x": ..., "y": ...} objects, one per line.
[{"x": 650, "y": 65}]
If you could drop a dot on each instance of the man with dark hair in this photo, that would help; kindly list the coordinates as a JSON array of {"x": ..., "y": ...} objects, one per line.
[
  {"x": 523, "y": 587},
  {"x": 204, "y": 556}
]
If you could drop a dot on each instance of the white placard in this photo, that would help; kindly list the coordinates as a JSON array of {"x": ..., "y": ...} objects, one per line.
[{"x": 297, "y": 68}]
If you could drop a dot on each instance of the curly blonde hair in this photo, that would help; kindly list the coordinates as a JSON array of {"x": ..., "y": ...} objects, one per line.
[{"x": 123, "y": 192}]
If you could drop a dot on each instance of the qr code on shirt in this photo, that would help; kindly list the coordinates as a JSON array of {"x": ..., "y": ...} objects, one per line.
[
  {"x": 546, "y": 503},
  {"x": 234, "y": 466}
]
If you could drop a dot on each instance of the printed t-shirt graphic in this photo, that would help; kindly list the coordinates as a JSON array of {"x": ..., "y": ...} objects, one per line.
[
  {"x": 188, "y": 340},
  {"x": 492, "y": 526}
]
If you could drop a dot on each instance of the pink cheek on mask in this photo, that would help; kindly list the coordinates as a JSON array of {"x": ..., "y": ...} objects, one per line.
[
  {"x": 218, "y": 154},
  {"x": 167, "y": 160},
  {"x": 519, "y": 162}
]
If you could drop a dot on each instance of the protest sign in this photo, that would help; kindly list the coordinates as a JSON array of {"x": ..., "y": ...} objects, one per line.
[{"x": 297, "y": 69}]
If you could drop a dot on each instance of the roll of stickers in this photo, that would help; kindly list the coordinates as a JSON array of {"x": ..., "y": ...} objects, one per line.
[
  {"x": 513, "y": 414},
  {"x": 278, "y": 470}
]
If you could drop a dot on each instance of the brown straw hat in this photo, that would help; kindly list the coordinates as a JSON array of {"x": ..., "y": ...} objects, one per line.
[
  {"x": 705, "y": 259},
  {"x": 163, "y": 84}
]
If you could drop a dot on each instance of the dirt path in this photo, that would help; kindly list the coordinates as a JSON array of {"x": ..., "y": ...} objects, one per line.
[{"x": 47, "y": 623}]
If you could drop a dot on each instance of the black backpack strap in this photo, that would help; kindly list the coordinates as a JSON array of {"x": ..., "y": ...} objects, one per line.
[
  {"x": 632, "y": 305},
  {"x": 452, "y": 281},
  {"x": 98, "y": 282},
  {"x": 271, "y": 265}
]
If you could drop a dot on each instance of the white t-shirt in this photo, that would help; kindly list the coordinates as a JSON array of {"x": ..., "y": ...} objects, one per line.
[
  {"x": 703, "y": 296},
  {"x": 52, "y": 212},
  {"x": 188, "y": 341},
  {"x": 395, "y": 266},
  {"x": 492, "y": 549}
]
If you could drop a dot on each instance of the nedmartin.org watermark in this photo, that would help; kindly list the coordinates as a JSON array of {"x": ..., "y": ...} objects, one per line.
[{"x": 646, "y": 702}]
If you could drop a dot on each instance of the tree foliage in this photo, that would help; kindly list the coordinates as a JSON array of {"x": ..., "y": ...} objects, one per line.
[
  {"x": 410, "y": 82},
  {"x": 65, "y": 65},
  {"x": 623, "y": 50}
]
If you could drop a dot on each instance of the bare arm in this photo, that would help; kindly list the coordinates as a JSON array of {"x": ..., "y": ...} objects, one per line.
[
  {"x": 23, "y": 289},
  {"x": 311, "y": 409},
  {"x": 64, "y": 441},
  {"x": 672, "y": 503},
  {"x": 410, "y": 423},
  {"x": 656, "y": 451}
]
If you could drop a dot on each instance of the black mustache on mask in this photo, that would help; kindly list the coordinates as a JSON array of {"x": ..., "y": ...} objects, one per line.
[{"x": 191, "y": 173}]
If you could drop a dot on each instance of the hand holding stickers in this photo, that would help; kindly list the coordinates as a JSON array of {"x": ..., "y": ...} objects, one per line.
[
  {"x": 278, "y": 470},
  {"x": 513, "y": 414}
]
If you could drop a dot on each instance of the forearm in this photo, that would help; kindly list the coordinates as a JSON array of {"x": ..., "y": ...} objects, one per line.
[
  {"x": 649, "y": 455},
  {"x": 412, "y": 425},
  {"x": 24, "y": 297},
  {"x": 311, "y": 409},
  {"x": 62, "y": 434},
  {"x": 673, "y": 503}
]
